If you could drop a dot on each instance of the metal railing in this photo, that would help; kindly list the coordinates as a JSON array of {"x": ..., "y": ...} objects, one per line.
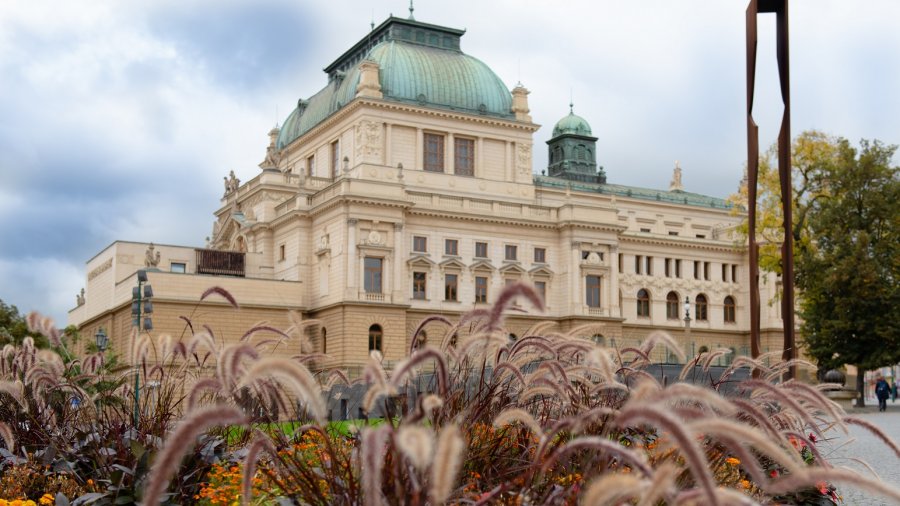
[{"x": 220, "y": 263}]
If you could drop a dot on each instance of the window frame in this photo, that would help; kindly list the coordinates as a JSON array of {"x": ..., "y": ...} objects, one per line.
[
  {"x": 376, "y": 338},
  {"x": 417, "y": 239},
  {"x": 673, "y": 306},
  {"x": 478, "y": 245},
  {"x": 701, "y": 308},
  {"x": 592, "y": 291},
  {"x": 461, "y": 169},
  {"x": 451, "y": 289},
  {"x": 481, "y": 289},
  {"x": 451, "y": 251},
  {"x": 433, "y": 154},
  {"x": 540, "y": 255},
  {"x": 336, "y": 159},
  {"x": 643, "y": 303},
  {"x": 729, "y": 305},
  {"x": 182, "y": 266},
  {"x": 375, "y": 283},
  {"x": 420, "y": 285},
  {"x": 515, "y": 252}
]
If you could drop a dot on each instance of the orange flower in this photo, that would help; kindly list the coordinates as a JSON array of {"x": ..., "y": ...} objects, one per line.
[
  {"x": 745, "y": 484},
  {"x": 733, "y": 461}
]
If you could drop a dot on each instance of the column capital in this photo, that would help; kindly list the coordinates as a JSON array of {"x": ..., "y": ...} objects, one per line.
[
  {"x": 352, "y": 221},
  {"x": 398, "y": 226}
]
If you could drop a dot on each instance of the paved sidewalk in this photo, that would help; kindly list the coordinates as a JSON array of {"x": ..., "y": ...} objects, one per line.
[{"x": 863, "y": 445}]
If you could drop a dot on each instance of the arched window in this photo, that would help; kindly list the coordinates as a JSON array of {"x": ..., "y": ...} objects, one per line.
[
  {"x": 375, "y": 335},
  {"x": 643, "y": 303},
  {"x": 672, "y": 306},
  {"x": 580, "y": 152},
  {"x": 729, "y": 309},
  {"x": 599, "y": 339},
  {"x": 513, "y": 338},
  {"x": 421, "y": 340},
  {"x": 701, "y": 308},
  {"x": 324, "y": 341}
]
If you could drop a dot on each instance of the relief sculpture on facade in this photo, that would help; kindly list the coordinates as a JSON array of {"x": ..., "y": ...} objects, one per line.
[
  {"x": 523, "y": 158},
  {"x": 369, "y": 140}
]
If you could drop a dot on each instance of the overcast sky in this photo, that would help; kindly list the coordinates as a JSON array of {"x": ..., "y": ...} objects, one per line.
[{"x": 119, "y": 119}]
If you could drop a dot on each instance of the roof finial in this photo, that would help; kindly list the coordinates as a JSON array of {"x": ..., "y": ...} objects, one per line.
[
  {"x": 372, "y": 23},
  {"x": 411, "y": 9},
  {"x": 571, "y": 102}
]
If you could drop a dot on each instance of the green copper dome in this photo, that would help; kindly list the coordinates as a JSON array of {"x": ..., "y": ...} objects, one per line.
[
  {"x": 572, "y": 124},
  {"x": 423, "y": 74}
]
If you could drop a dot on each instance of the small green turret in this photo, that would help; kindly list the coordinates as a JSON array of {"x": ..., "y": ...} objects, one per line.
[{"x": 573, "y": 150}]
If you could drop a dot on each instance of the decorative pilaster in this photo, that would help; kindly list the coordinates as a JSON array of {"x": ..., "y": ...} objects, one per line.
[
  {"x": 352, "y": 261},
  {"x": 615, "y": 310},
  {"x": 399, "y": 266},
  {"x": 575, "y": 281}
]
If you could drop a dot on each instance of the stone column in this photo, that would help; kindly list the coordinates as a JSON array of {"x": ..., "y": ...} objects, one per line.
[
  {"x": 399, "y": 266},
  {"x": 479, "y": 149},
  {"x": 448, "y": 155},
  {"x": 420, "y": 147},
  {"x": 575, "y": 278},
  {"x": 613, "y": 263},
  {"x": 352, "y": 292},
  {"x": 387, "y": 144},
  {"x": 509, "y": 170}
]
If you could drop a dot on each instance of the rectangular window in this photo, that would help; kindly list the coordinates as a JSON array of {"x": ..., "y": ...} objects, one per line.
[
  {"x": 668, "y": 267},
  {"x": 638, "y": 264},
  {"x": 481, "y": 250},
  {"x": 372, "y": 268},
  {"x": 724, "y": 273},
  {"x": 701, "y": 236},
  {"x": 540, "y": 255},
  {"x": 311, "y": 166},
  {"x": 434, "y": 153},
  {"x": 621, "y": 262},
  {"x": 592, "y": 291},
  {"x": 649, "y": 269},
  {"x": 178, "y": 267},
  {"x": 451, "y": 247},
  {"x": 645, "y": 230},
  {"x": 672, "y": 232},
  {"x": 450, "y": 287},
  {"x": 696, "y": 269},
  {"x": 420, "y": 244},
  {"x": 734, "y": 274},
  {"x": 541, "y": 288},
  {"x": 678, "y": 268},
  {"x": 281, "y": 252},
  {"x": 672, "y": 307},
  {"x": 420, "y": 286},
  {"x": 336, "y": 158},
  {"x": 512, "y": 252},
  {"x": 464, "y": 157},
  {"x": 481, "y": 289},
  {"x": 706, "y": 271}
]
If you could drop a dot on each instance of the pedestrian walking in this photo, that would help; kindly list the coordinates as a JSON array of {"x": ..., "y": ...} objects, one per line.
[{"x": 882, "y": 391}]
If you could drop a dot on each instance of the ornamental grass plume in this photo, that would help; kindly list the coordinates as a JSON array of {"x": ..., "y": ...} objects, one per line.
[
  {"x": 178, "y": 443},
  {"x": 447, "y": 462}
]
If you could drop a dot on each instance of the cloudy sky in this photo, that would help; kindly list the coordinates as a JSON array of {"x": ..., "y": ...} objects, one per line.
[{"x": 119, "y": 119}]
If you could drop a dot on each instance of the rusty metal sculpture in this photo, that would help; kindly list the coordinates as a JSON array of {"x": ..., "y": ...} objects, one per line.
[{"x": 780, "y": 8}]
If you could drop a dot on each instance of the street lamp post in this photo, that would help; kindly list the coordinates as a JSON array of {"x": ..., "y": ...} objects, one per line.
[
  {"x": 101, "y": 339},
  {"x": 142, "y": 293}
]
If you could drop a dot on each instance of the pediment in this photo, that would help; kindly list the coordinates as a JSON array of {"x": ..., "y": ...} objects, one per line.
[
  {"x": 512, "y": 268},
  {"x": 420, "y": 261},
  {"x": 482, "y": 265},
  {"x": 452, "y": 263},
  {"x": 541, "y": 270}
]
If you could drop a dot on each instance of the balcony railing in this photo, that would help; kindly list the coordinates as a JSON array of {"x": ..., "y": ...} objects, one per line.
[{"x": 220, "y": 263}]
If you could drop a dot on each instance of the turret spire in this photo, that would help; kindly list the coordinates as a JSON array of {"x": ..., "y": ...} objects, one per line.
[{"x": 411, "y": 9}]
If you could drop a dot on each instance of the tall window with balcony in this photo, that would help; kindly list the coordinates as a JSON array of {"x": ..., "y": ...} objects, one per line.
[
  {"x": 372, "y": 272},
  {"x": 481, "y": 289},
  {"x": 434, "y": 153},
  {"x": 464, "y": 157},
  {"x": 672, "y": 306},
  {"x": 701, "y": 307},
  {"x": 592, "y": 291},
  {"x": 336, "y": 159},
  {"x": 375, "y": 335},
  {"x": 311, "y": 166},
  {"x": 643, "y": 303},
  {"x": 729, "y": 309},
  {"x": 420, "y": 286},
  {"x": 451, "y": 287}
]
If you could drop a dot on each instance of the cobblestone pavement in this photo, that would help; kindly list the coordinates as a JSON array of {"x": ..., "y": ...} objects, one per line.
[{"x": 871, "y": 450}]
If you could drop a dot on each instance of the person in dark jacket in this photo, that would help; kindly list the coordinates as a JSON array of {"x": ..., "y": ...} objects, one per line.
[{"x": 882, "y": 391}]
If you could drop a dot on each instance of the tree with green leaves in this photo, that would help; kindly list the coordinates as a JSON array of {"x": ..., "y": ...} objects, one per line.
[
  {"x": 848, "y": 272},
  {"x": 13, "y": 328}
]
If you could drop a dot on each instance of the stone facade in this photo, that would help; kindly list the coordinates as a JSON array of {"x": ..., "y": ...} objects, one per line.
[{"x": 344, "y": 224}]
